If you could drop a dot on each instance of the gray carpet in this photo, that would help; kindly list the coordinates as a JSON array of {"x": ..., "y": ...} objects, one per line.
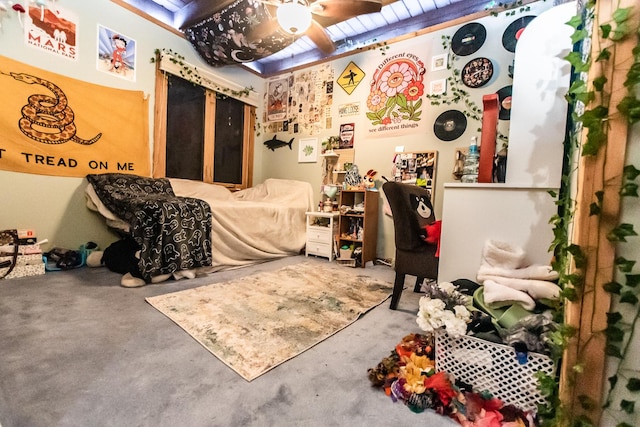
[{"x": 76, "y": 349}]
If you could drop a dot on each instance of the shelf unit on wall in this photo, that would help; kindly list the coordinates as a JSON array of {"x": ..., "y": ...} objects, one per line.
[{"x": 358, "y": 223}]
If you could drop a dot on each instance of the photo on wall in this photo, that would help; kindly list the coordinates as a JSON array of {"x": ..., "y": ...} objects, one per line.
[{"x": 116, "y": 54}]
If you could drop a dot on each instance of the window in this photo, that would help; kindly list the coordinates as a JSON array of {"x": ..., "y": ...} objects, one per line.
[{"x": 201, "y": 134}]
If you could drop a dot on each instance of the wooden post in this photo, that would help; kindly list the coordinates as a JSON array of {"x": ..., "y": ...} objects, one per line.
[{"x": 602, "y": 172}]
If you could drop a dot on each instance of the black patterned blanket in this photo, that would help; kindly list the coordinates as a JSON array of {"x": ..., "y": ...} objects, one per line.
[{"x": 174, "y": 233}]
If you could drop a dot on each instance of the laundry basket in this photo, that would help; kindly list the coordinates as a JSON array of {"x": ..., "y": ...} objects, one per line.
[{"x": 494, "y": 368}]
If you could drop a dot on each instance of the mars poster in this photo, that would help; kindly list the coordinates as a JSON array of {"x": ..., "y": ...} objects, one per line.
[{"x": 52, "y": 29}]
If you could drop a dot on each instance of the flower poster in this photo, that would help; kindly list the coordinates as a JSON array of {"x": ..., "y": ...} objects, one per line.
[
  {"x": 53, "y": 30},
  {"x": 116, "y": 54},
  {"x": 395, "y": 100}
]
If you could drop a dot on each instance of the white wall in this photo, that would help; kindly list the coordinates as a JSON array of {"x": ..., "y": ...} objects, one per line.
[{"x": 54, "y": 206}]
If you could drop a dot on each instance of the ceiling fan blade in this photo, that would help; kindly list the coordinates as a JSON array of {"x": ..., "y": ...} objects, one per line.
[
  {"x": 320, "y": 37},
  {"x": 263, "y": 29},
  {"x": 345, "y": 8}
]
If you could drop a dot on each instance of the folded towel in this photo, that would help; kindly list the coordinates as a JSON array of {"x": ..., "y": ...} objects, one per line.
[
  {"x": 537, "y": 272},
  {"x": 499, "y": 296},
  {"x": 501, "y": 254},
  {"x": 537, "y": 289}
]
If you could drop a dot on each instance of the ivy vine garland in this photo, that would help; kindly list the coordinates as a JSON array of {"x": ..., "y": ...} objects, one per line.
[
  {"x": 592, "y": 112},
  {"x": 192, "y": 74}
]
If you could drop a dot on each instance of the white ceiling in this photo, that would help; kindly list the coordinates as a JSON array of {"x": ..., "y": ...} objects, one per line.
[{"x": 397, "y": 18}]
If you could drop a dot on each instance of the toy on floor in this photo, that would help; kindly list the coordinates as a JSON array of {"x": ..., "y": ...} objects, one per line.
[{"x": 122, "y": 257}]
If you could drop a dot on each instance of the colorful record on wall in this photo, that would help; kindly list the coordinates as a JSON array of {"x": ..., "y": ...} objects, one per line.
[
  {"x": 468, "y": 39},
  {"x": 477, "y": 72},
  {"x": 513, "y": 32},
  {"x": 450, "y": 125},
  {"x": 504, "y": 100}
]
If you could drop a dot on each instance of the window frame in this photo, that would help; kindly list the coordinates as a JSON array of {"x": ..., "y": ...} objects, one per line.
[{"x": 167, "y": 64}]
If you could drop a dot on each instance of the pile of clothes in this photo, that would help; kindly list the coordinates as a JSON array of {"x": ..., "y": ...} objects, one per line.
[{"x": 515, "y": 302}]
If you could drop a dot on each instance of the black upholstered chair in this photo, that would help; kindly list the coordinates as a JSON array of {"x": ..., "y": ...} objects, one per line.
[{"x": 412, "y": 211}]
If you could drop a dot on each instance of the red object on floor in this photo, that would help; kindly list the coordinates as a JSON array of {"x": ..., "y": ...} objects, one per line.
[{"x": 488, "y": 138}]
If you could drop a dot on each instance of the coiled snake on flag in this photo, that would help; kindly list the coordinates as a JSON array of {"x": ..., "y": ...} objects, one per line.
[{"x": 50, "y": 112}]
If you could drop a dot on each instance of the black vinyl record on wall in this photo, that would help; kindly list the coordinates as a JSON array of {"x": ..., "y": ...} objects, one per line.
[
  {"x": 450, "y": 125},
  {"x": 468, "y": 39},
  {"x": 513, "y": 31},
  {"x": 504, "y": 100}
]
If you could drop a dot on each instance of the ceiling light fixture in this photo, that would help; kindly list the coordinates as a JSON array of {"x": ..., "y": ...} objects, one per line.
[{"x": 294, "y": 17}]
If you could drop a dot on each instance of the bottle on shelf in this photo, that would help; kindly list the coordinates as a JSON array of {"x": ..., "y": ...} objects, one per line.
[{"x": 471, "y": 162}]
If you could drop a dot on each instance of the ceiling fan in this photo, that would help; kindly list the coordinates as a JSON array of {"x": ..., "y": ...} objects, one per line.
[{"x": 296, "y": 17}]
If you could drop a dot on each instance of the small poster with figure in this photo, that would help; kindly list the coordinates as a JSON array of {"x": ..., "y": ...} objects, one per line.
[
  {"x": 116, "y": 54},
  {"x": 346, "y": 135},
  {"x": 278, "y": 94}
]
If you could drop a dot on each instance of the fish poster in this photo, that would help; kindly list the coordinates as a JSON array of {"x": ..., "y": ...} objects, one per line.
[{"x": 53, "y": 30}]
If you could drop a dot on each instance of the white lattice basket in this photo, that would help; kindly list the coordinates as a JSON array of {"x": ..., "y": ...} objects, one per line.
[{"x": 494, "y": 368}]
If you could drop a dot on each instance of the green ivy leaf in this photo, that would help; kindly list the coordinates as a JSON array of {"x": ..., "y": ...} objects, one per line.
[
  {"x": 624, "y": 265},
  {"x": 606, "y": 29},
  {"x": 629, "y": 189},
  {"x": 629, "y": 297},
  {"x": 575, "y": 21},
  {"x": 633, "y": 384},
  {"x": 614, "y": 334},
  {"x": 599, "y": 82},
  {"x": 627, "y": 406},
  {"x": 623, "y": 424},
  {"x": 613, "y": 317},
  {"x": 586, "y": 402},
  {"x": 632, "y": 280},
  {"x": 621, "y": 31},
  {"x": 621, "y": 14},
  {"x": 621, "y": 232},
  {"x": 578, "y": 256},
  {"x": 613, "y": 380},
  {"x": 579, "y": 34},
  {"x": 629, "y": 106},
  {"x": 630, "y": 172},
  {"x": 604, "y": 55},
  {"x": 613, "y": 351},
  {"x": 633, "y": 75},
  {"x": 612, "y": 287},
  {"x": 575, "y": 59},
  {"x": 546, "y": 383},
  {"x": 569, "y": 293},
  {"x": 577, "y": 280}
]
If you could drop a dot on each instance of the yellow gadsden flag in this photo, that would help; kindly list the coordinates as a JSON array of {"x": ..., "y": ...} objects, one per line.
[{"x": 55, "y": 125}]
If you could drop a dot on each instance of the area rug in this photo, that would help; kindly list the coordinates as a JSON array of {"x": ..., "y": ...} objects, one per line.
[{"x": 255, "y": 323}]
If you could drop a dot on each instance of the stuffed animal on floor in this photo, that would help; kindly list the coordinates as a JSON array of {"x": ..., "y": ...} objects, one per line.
[{"x": 122, "y": 257}]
